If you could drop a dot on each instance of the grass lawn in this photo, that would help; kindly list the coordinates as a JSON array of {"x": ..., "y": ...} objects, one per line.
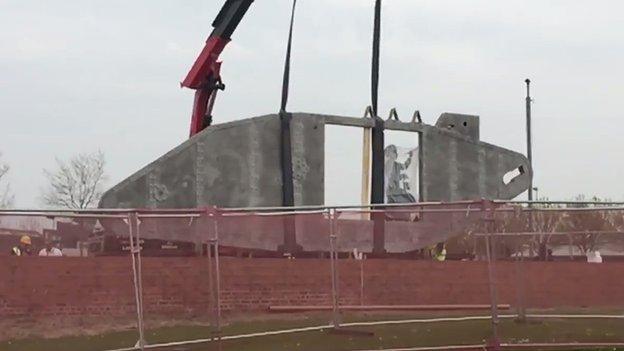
[{"x": 385, "y": 336}]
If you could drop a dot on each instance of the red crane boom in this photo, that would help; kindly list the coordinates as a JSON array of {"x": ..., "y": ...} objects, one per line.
[{"x": 205, "y": 76}]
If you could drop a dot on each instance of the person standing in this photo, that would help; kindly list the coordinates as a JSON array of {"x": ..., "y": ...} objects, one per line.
[
  {"x": 51, "y": 250},
  {"x": 439, "y": 253},
  {"x": 24, "y": 248}
]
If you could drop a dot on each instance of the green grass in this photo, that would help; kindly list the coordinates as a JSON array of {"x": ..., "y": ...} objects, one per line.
[{"x": 386, "y": 336}]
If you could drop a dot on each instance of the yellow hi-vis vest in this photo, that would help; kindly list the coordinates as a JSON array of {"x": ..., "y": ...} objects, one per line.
[{"x": 440, "y": 256}]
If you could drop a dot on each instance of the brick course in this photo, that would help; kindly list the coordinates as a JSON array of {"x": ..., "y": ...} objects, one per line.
[{"x": 36, "y": 287}]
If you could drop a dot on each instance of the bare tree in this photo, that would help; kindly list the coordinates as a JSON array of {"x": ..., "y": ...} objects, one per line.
[
  {"x": 593, "y": 223},
  {"x": 76, "y": 183},
  {"x": 6, "y": 196},
  {"x": 542, "y": 223}
]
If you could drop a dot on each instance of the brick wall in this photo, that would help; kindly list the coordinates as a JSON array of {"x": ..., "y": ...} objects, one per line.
[{"x": 37, "y": 287}]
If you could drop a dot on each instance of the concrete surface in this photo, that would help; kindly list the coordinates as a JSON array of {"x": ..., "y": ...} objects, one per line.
[{"x": 237, "y": 164}]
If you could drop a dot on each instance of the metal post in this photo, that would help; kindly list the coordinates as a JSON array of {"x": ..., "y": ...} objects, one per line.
[
  {"x": 491, "y": 258},
  {"x": 570, "y": 247},
  {"x": 529, "y": 147},
  {"x": 361, "y": 280},
  {"x": 528, "y": 131},
  {"x": 520, "y": 285},
  {"x": 139, "y": 269},
  {"x": 211, "y": 285},
  {"x": 536, "y": 189},
  {"x": 136, "y": 272},
  {"x": 333, "y": 258},
  {"x": 217, "y": 274}
]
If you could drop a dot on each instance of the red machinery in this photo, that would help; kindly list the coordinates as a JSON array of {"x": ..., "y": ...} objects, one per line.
[{"x": 205, "y": 75}]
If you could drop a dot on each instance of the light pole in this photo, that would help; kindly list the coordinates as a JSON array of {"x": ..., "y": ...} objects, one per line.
[
  {"x": 528, "y": 131},
  {"x": 536, "y": 189}
]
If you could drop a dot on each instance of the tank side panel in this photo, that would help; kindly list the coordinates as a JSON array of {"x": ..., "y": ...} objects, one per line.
[
  {"x": 308, "y": 152},
  {"x": 168, "y": 182},
  {"x": 234, "y": 164},
  {"x": 240, "y": 166},
  {"x": 455, "y": 167},
  {"x": 436, "y": 167}
]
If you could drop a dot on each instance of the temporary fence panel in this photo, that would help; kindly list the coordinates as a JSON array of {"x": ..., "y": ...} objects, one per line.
[
  {"x": 548, "y": 258},
  {"x": 334, "y": 269}
]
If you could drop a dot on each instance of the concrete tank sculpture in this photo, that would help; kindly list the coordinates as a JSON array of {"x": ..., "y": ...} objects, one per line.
[{"x": 238, "y": 164}]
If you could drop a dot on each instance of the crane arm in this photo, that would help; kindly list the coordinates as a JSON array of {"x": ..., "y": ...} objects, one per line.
[{"x": 204, "y": 77}]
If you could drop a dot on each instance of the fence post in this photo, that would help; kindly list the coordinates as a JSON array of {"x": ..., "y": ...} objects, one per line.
[
  {"x": 490, "y": 250},
  {"x": 520, "y": 285},
  {"x": 570, "y": 247},
  {"x": 361, "y": 258},
  {"x": 140, "y": 274},
  {"x": 135, "y": 253},
  {"x": 215, "y": 279},
  {"x": 334, "y": 273},
  {"x": 211, "y": 281},
  {"x": 206, "y": 219}
]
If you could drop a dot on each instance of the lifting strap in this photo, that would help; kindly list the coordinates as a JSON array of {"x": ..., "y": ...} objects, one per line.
[
  {"x": 286, "y": 78},
  {"x": 288, "y": 196},
  {"x": 377, "y": 141}
]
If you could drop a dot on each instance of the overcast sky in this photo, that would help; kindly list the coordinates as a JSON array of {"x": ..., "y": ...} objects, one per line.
[{"x": 80, "y": 75}]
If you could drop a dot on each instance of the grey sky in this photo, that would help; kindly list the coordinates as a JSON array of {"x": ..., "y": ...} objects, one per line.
[{"x": 82, "y": 75}]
